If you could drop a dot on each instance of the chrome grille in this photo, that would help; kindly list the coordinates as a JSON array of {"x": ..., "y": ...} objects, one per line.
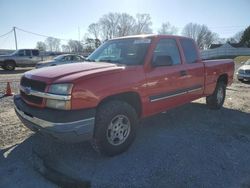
[{"x": 34, "y": 85}]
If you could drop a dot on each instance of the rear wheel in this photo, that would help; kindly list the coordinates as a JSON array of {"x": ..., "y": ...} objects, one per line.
[
  {"x": 216, "y": 100},
  {"x": 9, "y": 65},
  {"x": 115, "y": 128}
]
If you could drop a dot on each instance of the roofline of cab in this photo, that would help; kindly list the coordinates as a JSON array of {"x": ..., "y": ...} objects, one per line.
[{"x": 150, "y": 36}]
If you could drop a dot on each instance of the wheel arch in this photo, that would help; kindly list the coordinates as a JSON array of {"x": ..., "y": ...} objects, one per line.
[
  {"x": 223, "y": 78},
  {"x": 10, "y": 60},
  {"x": 132, "y": 98}
]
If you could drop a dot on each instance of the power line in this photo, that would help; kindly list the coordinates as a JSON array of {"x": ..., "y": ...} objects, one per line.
[
  {"x": 6, "y": 33},
  {"x": 4, "y": 40},
  {"x": 41, "y": 35}
]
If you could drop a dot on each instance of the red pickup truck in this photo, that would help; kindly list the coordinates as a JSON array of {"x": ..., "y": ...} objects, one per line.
[{"x": 124, "y": 80}]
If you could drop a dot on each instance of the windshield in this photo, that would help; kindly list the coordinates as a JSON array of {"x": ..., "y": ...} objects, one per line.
[
  {"x": 122, "y": 51},
  {"x": 15, "y": 52},
  {"x": 247, "y": 62},
  {"x": 59, "y": 57}
]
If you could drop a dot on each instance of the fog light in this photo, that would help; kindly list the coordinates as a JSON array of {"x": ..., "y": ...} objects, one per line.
[{"x": 58, "y": 104}]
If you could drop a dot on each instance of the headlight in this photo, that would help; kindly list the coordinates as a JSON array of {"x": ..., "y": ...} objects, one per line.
[
  {"x": 58, "y": 104},
  {"x": 61, "y": 89},
  {"x": 241, "y": 71}
]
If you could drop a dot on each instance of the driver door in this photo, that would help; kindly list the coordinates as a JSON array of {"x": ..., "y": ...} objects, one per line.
[
  {"x": 165, "y": 83},
  {"x": 24, "y": 58}
]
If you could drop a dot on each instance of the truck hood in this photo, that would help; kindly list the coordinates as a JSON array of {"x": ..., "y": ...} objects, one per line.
[
  {"x": 46, "y": 62},
  {"x": 245, "y": 67},
  {"x": 4, "y": 56},
  {"x": 71, "y": 72}
]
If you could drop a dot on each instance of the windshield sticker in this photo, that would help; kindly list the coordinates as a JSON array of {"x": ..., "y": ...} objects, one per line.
[{"x": 142, "y": 41}]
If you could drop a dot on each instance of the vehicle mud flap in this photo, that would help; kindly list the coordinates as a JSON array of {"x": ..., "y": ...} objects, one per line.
[{"x": 43, "y": 167}]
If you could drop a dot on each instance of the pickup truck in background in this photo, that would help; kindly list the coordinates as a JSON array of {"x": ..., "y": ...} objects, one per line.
[
  {"x": 125, "y": 79},
  {"x": 20, "y": 58}
]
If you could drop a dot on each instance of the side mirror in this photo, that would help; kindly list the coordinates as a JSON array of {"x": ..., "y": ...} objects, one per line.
[{"x": 162, "y": 60}]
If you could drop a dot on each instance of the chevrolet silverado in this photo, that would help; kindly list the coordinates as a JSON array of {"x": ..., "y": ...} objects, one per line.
[{"x": 124, "y": 80}]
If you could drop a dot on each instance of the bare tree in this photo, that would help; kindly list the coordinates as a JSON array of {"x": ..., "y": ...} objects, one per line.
[
  {"x": 109, "y": 25},
  {"x": 143, "y": 24},
  {"x": 238, "y": 36},
  {"x": 94, "y": 29},
  {"x": 125, "y": 25},
  {"x": 90, "y": 45},
  {"x": 53, "y": 44},
  {"x": 65, "y": 48},
  {"x": 119, "y": 24},
  {"x": 200, "y": 33},
  {"x": 41, "y": 46},
  {"x": 167, "y": 28},
  {"x": 75, "y": 46}
]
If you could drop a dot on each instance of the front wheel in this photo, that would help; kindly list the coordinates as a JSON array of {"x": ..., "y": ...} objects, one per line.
[
  {"x": 115, "y": 128},
  {"x": 10, "y": 66},
  {"x": 216, "y": 100}
]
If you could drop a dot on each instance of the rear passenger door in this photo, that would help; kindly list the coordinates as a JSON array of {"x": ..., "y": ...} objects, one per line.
[
  {"x": 165, "y": 84},
  {"x": 35, "y": 57},
  {"x": 194, "y": 69}
]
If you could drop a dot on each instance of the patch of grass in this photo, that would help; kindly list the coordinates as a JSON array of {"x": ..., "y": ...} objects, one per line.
[{"x": 240, "y": 59}]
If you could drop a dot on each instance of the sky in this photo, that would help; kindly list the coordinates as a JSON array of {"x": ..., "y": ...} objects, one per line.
[{"x": 65, "y": 18}]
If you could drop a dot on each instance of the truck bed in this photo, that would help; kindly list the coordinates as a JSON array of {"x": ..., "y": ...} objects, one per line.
[{"x": 213, "y": 69}]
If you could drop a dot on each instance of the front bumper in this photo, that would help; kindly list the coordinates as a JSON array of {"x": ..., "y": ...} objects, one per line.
[
  {"x": 243, "y": 76},
  {"x": 64, "y": 125}
]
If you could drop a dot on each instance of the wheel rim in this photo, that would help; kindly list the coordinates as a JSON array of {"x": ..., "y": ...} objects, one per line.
[
  {"x": 220, "y": 95},
  {"x": 9, "y": 67},
  {"x": 118, "y": 130}
]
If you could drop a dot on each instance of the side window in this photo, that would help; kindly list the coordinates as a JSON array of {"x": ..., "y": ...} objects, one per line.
[
  {"x": 21, "y": 53},
  {"x": 76, "y": 58},
  {"x": 168, "y": 47},
  {"x": 189, "y": 50},
  {"x": 35, "y": 52},
  {"x": 67, "y": 58},
  {"x": 27, "y": 53}
]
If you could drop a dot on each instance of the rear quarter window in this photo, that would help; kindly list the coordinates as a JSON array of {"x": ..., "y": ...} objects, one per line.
[
  {"x": 35, "y": 52},
  {"x": 190, "y": 51}
]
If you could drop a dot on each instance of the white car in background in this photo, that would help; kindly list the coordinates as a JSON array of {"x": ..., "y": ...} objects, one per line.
[
  {"x": 243, "y": 72},
  {"x": 60, "y": 60}
]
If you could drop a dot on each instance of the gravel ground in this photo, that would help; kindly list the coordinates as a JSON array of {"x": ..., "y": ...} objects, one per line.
[{"x": 190, "y": 146}]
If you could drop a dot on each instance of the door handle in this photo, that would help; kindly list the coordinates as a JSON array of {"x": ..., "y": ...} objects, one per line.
[{"x": 183, "y": 73}]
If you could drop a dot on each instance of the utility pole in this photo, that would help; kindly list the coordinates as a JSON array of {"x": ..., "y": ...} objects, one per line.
[
  {"x": 79, "y": 34},
  {"x": 78, "y": 40},
  {"x": 14, "y": 29}
]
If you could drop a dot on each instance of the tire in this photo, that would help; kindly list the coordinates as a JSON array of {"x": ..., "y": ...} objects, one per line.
[
  {"x": 3, "y": 67},
  {"x": 115, "y": 128},
  {"x": 216, "y": 100},
  {"x": 10, "y": 65},
  {"x": 241, "y": 80}
]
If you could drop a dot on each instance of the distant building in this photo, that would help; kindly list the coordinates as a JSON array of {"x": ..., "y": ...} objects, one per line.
[
  {"x": 225, "y": 51},
  {"x": 235, "y": 45}
]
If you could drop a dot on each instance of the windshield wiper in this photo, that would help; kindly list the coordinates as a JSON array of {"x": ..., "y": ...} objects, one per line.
[{"x": 109, "y": 61}]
